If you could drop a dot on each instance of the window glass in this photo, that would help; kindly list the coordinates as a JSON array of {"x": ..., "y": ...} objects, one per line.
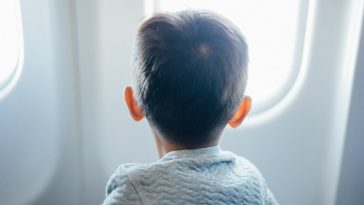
[
  {"x": 271, "y": 29},
  {"x": 10, "y": 41}
]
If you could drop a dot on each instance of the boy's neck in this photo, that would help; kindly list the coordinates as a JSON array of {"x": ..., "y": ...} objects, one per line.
[{"x": 164, "y": 147}]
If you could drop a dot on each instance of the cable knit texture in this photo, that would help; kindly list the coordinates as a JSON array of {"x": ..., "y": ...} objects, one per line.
[{"x": 200, "y": 176}]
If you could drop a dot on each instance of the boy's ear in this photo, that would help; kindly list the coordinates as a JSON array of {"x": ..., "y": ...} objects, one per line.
[
  {"x": 134, "y": 109},
  {"x": 241, "y": 112}
]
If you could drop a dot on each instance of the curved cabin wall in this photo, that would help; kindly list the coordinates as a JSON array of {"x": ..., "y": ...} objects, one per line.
[{"x": 39, "y": 141}]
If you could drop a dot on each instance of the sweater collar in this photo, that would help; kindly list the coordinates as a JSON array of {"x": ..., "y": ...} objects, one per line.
[{"x": 192, "y": 153}]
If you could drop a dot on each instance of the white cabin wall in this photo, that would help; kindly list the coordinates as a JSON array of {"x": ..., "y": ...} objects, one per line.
[
  {"x": 38, "y": 120},
  {"x": 65, "y": 186},
  {"x": 351, "y": 184}
]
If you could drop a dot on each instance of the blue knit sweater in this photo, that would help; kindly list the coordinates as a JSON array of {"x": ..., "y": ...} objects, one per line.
[{"x": 200, "y": 176}]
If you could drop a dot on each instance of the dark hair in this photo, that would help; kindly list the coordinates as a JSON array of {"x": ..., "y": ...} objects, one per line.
[{"x": 191, "y": 73}]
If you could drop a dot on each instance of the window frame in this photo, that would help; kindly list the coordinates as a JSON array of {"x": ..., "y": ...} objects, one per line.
[{"x": 9, "y": 83}]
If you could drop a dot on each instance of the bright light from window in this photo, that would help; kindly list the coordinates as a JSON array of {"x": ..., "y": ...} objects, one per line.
[
  {"x": 271, "y": 30},
  {"x": 10, "y": 41}
]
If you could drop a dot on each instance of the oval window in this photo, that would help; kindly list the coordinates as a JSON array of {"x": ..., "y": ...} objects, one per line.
[
  {"x": 11, "y": 44},
  {"x": 274, "y": 31}
]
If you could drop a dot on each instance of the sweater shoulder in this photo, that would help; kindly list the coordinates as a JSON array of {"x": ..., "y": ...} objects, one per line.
[{"x": 121, "y": 176}]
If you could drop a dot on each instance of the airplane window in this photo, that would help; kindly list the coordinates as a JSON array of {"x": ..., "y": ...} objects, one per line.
[
  {"x": 274, "y": 31},
  {"x": 10, "y": 43}
]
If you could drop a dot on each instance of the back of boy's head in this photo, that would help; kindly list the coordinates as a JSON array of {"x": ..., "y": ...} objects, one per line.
[{"x": 191, "y": 75}]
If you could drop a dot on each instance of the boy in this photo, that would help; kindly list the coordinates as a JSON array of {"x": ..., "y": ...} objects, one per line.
[{"x": 191, "y": 76}]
